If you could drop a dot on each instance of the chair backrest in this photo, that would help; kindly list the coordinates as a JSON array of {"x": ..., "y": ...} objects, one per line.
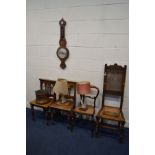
[
  {"x": 71, "y": 91},
  {"x": 46, "y": 84},
  {"x": 94, "y": 97},
  {"x": 114, "y": 81}
]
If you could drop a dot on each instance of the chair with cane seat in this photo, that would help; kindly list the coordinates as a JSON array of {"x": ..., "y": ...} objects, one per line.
[
  {"x": 113, "y": 87},
  {"x": 84, "y": 89},
  {"x": 65, "y": 100}
]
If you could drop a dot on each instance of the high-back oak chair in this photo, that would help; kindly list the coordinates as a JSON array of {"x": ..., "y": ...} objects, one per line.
[{"x": 113, "y": 86}]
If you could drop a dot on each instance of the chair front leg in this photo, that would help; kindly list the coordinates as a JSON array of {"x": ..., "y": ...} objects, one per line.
[
  {"x": 46, "y": 115},
  {"x": 69, "y": 120},
  {"x": 121, "y": 129},
  {"x": 70, "y": 123},
  {"x": 73, "y": 117},
  {"x": 51, "y": 114},
  {"x": 33, "y": 113},
  {"x": 93, "y": 125},
  {"x": 97, "y": 126}
]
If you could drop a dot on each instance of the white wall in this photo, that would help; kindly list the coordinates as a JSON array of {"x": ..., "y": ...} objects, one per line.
[{"x": 97, "y": 33}]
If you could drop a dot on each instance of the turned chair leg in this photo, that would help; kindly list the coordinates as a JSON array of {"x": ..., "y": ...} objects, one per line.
[
  {"x": 97, "y": 127},
  {"x": 44, "y": 113},
  {"x": 70, "y": 121},
  {"x": 51, "y": 117},
  {"x": 121, "y": 129},
  {"x": 93, "y": 126},
  {"x": 49, "y": 114},
  {"x": 46, "y": 116},
  {"x": 33, "y": 113}
]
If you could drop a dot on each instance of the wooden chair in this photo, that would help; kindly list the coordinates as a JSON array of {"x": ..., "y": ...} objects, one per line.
[
  {"x": 113, "y": 86},
  {"x": 90, "y": 108},
  {"x": 57, "y": 108},
  {"x": 48, "y": 86}
]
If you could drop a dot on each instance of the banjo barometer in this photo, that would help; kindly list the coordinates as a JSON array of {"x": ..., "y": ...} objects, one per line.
[{"x": 62, "y": 51}]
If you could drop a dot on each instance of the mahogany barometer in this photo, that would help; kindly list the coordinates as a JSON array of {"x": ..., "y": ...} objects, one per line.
[{"x": 62, "y": 51}]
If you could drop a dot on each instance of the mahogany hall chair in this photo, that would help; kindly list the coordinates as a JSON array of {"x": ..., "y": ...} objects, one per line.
[
  {"x": 89, "y": 110},
  {"x": 46, "y": 85},
  {"x": 113, "y": 86},
  {"x": 58, "y": 109}
]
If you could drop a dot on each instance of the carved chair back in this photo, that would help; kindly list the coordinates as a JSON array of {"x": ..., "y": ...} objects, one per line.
[{"x": 114, "y": 82}]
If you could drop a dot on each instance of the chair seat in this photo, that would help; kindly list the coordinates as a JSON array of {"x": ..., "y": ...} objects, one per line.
[
  {"x": 67, "y": 106},
  {"x": 88, "y": 111},
  {"x": 46, "y": 105},
  {"x": 111, "y": 113}
]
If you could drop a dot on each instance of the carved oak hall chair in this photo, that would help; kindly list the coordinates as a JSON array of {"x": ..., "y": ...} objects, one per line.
[
  {"x": 45, "y": 86},
  {"x": 65, "y": 103},
  {"x": 88, "y": 95},
  {"x": 113, "y": 86}
]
